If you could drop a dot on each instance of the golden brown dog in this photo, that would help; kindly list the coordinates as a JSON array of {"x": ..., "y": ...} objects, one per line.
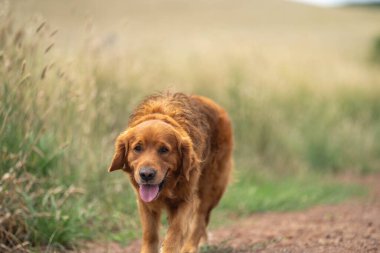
[{"x": 177, "y": 152}]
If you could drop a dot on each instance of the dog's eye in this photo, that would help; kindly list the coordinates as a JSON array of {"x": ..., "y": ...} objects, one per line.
[
  {"x": 163, "y": 150},
  {"x": 138, "y": 148}
]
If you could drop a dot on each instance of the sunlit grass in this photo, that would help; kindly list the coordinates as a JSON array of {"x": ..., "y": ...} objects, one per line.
[{"x": 250, "y": 193}]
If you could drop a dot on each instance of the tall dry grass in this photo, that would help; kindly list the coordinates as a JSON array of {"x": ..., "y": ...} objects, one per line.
[{"x": 38, "y": 197}]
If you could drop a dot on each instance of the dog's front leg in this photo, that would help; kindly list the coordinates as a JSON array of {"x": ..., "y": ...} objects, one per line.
[
  {"x": 178, "y": 225},
  {"x": 150, "y": 224}
]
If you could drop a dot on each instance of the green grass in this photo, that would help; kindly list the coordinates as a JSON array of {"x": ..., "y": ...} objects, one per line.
[
  {"x": 249, "y": 194},
  {"x": 59, "y": 119},
  {"x": 375, "y": 50}
]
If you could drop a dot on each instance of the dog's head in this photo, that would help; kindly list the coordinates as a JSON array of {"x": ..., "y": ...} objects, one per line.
[{"x": 154, "y": 153}]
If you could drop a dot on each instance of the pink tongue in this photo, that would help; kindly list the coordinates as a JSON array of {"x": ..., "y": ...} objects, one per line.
[{"x": 148, "y": 192}]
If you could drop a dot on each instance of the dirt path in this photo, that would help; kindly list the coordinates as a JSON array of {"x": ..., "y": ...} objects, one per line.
[{"x": 353, "y": 226}]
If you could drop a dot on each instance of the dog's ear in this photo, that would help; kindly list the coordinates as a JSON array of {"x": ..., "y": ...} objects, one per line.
[
  {"x": 121, "y": 150},
  {"x": 189, "y": 159}
]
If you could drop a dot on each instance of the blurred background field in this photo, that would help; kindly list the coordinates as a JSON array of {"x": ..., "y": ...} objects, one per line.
[{"x": 301, "y": 84}]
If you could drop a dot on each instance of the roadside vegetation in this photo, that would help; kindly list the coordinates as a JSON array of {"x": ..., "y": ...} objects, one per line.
[{"x": 59, "y": 118}]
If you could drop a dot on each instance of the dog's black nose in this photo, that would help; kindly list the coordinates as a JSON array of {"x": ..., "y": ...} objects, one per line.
[{"x": 147, "y": 174}]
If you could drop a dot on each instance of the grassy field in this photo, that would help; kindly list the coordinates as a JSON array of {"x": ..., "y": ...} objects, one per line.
[{"x": 301, "y": 85}]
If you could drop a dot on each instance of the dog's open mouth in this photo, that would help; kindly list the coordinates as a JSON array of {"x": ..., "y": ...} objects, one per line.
[{"x": 149, "y": 192}]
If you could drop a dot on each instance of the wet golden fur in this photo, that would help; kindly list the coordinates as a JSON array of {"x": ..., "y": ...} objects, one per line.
[{"x": 194, "y": 170}]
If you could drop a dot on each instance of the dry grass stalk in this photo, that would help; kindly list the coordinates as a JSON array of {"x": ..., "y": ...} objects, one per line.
[
  {"x": 54, "y": 33},
  {"x": 49, "y": 47},
  {"x": 43, "y": 73},
  {"x": 13, "y": 228},
  {"x": 39, "y": 28}
]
